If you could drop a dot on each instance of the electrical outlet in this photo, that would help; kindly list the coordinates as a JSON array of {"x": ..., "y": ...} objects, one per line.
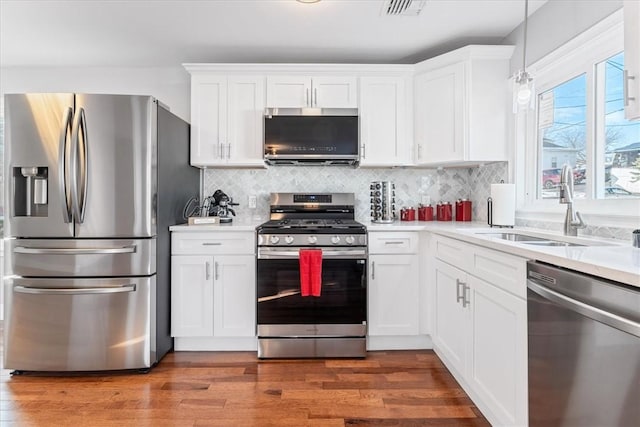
[{"x": 253, "y": 201}]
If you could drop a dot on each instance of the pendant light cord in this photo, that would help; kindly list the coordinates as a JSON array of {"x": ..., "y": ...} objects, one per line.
[{"x": 524, "y": 46}]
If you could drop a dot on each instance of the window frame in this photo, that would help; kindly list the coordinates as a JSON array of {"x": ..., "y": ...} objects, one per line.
[{"x": 579, "y": 55}]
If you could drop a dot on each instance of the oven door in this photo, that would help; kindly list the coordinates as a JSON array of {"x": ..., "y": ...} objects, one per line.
[{"x": 343, "y": 298}]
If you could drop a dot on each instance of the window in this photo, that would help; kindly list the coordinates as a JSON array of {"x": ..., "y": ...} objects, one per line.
[{"x": 579, "y": 120}]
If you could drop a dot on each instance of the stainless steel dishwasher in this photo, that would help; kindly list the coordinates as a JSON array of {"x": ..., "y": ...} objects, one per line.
[{"x": 584, "y": 349}]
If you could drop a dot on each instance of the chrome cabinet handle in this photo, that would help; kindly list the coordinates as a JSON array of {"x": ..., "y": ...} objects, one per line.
[
  {"x": 306, "y": 97},
  {"x": 220, "y": 156},
  {"x": 465, "y": 295},
  {"x": 315, "y": 103},
  {"x": 215, "y": 270},
  {"x": 625, "y": 87},
  {"x": 207, "y": 267},
  {"x": 228, "y": 150},
  {"x": 63, "y": 165},
  {"x": 373, "y": 270},
  {"x": 459, "y": 295},
  {"x": 74, "y": 251},
  {"x": 419, "y": 151},
  {"x": 394, "y": 243},
  {"x": 75, "y": 291}
]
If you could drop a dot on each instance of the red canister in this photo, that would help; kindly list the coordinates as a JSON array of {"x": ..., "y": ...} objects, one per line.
[
  {"x": 425, "y": 213},
  {"x": 407, "y": 214},
  {"x": 444, "y": 211},
  {"x": 463, "y": 210}
]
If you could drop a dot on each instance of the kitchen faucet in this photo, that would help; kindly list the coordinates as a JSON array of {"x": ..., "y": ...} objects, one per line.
[{"x": 573, "y": 219}]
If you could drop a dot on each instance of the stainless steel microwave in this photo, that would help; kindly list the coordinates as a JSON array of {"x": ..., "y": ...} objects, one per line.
[{"x": 311, "y": 136}]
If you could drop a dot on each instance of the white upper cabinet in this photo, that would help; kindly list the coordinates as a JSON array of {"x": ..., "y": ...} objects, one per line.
[
  {"x": 384, "y": 122},
  {"x": 293, "y": 91},
  {"x": 632, "y": 59},
  {"x": 227, "y": 120},
  {"x": 460, "y": 106}
]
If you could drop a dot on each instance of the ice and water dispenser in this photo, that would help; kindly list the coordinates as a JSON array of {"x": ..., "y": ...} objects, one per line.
[{"x": 30, "y": 191}]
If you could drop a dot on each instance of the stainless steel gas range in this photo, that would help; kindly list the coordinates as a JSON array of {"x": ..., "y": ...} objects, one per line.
[{"x": 333, "y": 322}]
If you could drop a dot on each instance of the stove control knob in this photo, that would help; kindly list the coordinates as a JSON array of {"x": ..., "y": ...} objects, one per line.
[
  {"x": 288, "y": 240},
  {"x": 350, "y": 240},
  {"x": 312, "y": 239},
  {"x": 274, "y": 240},
  {"x": 335, "y": 240}
]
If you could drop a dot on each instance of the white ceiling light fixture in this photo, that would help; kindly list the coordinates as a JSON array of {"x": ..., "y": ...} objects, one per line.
[
  {"x": 523, "y": 82},
  {"x": 307, "y": 1}
]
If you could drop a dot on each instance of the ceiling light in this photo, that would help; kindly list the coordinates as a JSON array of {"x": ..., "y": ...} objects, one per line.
[
  {"x": 523, "y": 89},
  {"x": 308, "y": 1}
]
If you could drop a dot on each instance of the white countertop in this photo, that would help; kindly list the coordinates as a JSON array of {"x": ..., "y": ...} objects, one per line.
[{"x": 611, "y": 259}]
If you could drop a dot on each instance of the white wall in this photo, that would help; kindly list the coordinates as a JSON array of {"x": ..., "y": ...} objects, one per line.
[
  {"x": 170, "y": 85},
  {"x": 554, "y": 24}
]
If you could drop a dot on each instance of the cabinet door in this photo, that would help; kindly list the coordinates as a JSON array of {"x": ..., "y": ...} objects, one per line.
[
  {"x": 498, "y": 359},
  {"x": 450, "y": 330},
  {"x": 334, "y": 92},
  {"x": 208, "y": 120},
  {"x": 393, "y": 295},
  {"x": 245, "y": 119},
  {"x": 439, "y": 115},
  {"x": 632, "y": 58},
  {"x": 382, "y": 121},
  {"x": 191, "y": 296},
  {"x": 288, "y": 91},
  {"x": 234, "y": 296}
]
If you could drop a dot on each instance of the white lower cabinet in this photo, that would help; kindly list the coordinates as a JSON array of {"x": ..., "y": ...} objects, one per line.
[
  {"x": 394, "y": 292},
  {"x": 393, "y": 295},
  {"x": 480, "y": 329},
  {"x": 213, "y": 297}
]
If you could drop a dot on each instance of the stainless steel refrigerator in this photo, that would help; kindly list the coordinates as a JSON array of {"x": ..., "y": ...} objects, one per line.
[{"x": 92, "y": 183}]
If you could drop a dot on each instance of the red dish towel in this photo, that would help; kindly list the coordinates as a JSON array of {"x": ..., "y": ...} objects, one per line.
[{"x": 310, "y": 272}]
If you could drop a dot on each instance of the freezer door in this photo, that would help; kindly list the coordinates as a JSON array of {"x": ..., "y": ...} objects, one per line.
[
  {"x": 115, "y": 147},
  {"x": 81, "y": 257},
  {"x": 78, "y": 324},
  {"x": 37, "y": 176}
]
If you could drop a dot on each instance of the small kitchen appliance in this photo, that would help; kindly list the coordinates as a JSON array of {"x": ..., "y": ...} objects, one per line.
[
  {"x": 333, "y": 323},
  {"x": 221, "y": 207},
  {"x": 383, "y": 202}
]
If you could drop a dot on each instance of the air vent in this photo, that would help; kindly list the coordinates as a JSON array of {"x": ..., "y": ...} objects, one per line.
[{"x": 403, "y": 7}]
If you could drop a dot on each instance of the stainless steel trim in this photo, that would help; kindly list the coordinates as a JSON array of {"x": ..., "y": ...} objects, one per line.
[
  {"x": 207, "y": 274},
  {"x": 312, "y": 347},
  {"x": 62, "y": 166},
  {"x": 594, "y": 313},
  {"x": 294, "y": 253},
  {"x": 74, "y": 291},
  {"x": 312, "y": 330},
  {"x": 74, "y": 251},
  {"x": 269, "y": 112}
]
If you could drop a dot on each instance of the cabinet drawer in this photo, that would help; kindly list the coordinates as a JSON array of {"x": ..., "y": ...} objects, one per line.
[
  {"x": 452, "y": 251},
  {"x": 213, "y": 243},
  {"x": 393, "y": 243},
  {"x": 505, "y": 271}
]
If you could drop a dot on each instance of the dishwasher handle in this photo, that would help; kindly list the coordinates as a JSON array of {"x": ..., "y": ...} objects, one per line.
[{"x": 594, "y": 313}]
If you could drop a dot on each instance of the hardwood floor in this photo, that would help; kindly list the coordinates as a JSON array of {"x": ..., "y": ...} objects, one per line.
[{"x": 395, "y": 388}]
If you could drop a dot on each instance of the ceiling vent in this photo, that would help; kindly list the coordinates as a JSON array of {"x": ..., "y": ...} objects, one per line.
[{"x": 403, "y": 7}]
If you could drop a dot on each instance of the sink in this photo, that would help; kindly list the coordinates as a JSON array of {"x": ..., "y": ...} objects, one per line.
[
  {"x": 515, "y": 237},
  {"x": 530, "y": 240}
]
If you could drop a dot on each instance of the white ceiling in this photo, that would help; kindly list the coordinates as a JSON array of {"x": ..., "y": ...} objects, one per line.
[{"x": 167, "y": 32}]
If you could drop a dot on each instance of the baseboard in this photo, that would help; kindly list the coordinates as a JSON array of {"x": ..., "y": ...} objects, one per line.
[
  {"x": 215, "y": 344},
  {"x": 412, "y": 342}
]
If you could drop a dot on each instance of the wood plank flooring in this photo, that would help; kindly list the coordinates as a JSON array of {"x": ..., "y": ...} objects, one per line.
[{"x": 395, "y": 388}]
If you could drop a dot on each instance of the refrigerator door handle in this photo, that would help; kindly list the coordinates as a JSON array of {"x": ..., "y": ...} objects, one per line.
[
  {"x": 74, "y": 251},
  {"x": 79, "y": 199},
  {"x": 75, "y": 291},
  {"x": 63, "y": 165}
]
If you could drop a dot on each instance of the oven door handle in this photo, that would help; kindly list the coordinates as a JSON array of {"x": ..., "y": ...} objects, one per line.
[{"x": 325, "y": 254}]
